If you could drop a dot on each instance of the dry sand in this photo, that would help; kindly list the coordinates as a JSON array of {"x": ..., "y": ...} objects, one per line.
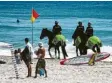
[{"x": 101, "y": 72}]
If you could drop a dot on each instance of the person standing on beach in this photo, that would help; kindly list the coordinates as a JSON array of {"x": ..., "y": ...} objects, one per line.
[
  {"x": 56, "y": 28},
  {"x": 26, "y": 56},
  {"x": 30, "y": 49},
  {"x": 41, "y": 61},
  {"x": 79, "y": 30},
  {"x": 89, "y": 30}
]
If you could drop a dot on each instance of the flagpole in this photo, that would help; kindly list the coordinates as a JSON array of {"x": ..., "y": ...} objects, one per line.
[
  {"x": 32, "y": 34},
  {"x": 33, "y": 17},
  {"x": 32, "y": 29}
]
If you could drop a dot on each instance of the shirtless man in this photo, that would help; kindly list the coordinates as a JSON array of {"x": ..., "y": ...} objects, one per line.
[{"x": 41, "y": 61}]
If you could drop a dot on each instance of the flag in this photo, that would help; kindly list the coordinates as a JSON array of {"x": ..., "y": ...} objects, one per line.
[{"x": 34, "y": 15}]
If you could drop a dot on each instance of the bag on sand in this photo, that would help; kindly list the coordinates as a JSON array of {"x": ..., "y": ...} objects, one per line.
[{"x": 41, "y": 72}]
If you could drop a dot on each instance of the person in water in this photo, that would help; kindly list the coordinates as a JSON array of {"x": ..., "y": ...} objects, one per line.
[
  {"x": 94, "y": 43},
  {"x": 79, "y": 30},
  {"x": 17, "y": 21},
  {"x": 41, "y": 64},
  {"x": 56, "y": 28},
  {"x": 89, "y": 30}
]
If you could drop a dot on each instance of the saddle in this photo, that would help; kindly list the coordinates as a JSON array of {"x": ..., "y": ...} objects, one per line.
[{"x": 59, "y": 39}]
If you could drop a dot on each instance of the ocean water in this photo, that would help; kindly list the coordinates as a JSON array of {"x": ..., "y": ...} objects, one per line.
[{"x": 68, "y": 14}]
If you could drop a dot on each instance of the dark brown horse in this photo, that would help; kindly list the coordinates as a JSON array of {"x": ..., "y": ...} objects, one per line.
[
  {"x": 81, "y": 47},
  {"x": 46, "y": 33}
]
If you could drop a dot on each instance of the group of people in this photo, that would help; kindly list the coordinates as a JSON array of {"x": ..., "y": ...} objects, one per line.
[
  {"x": 27, "y": 56},
  {"x": 80, "y": 30},
  {"x": 87, "y": 37},
  {"x": 81, "y": 36},
  {"x": 17, "y": 55},
  {"x": 83, "y": 39}
]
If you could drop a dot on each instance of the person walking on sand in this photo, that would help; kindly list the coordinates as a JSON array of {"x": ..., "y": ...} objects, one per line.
[
  {"x": 41, "y": 61},
  {"x": 26, "y": 57},
  {"x": 89, "y": 30},
  {"x": 56, "y": 28},
  {"x": 79, "y": 30}
]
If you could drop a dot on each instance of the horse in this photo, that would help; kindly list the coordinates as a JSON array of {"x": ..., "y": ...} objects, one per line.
[
  {"x": 46, "y": 33},
  {"x": 81, "y": 47}
]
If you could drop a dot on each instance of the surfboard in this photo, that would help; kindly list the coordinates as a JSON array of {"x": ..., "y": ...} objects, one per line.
[{"x": 84, "y": 59}]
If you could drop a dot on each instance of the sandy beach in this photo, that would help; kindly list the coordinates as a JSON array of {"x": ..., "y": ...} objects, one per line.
[
  {"x": 16, "y": 25},
  {"x": 101, "y": 72}
]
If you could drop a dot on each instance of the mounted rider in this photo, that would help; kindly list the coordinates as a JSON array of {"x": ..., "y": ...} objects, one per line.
[
  {"x": 59, "y": 39},
  {"x": 89, "y": 30},
  {"x": 79, "y": 30},
  {"x": 56, "y": 28}
]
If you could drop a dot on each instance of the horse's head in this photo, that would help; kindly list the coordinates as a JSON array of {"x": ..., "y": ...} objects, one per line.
[{"x": 43, "y": 33}]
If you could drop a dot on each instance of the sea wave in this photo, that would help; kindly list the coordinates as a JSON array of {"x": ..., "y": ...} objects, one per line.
[{"x": 71, "y": 50}]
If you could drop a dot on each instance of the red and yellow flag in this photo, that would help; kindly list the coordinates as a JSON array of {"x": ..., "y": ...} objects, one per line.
[{"x": 34, "y": 15}]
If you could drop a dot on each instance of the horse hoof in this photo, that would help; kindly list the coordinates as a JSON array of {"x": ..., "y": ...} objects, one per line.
[
  {"x": 66, "y": 55},
  {"x": 58, "y": 57}
]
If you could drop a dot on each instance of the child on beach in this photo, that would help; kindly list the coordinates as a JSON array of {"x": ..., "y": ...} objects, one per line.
[
  {"x": 17, "y": 57},
  {"x": 41, "y": 61}
]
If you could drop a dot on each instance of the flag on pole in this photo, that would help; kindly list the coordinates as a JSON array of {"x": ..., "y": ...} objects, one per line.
[{"x": 34, "y": 15}]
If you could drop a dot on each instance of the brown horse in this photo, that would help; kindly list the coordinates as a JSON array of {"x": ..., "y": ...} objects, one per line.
[
  {"x": 81, "y": 47},
  {"x": 50, "y": 35}
]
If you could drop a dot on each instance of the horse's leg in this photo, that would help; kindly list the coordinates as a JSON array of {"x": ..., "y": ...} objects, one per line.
[
  {"x": 77, "y": 51},
  {"x": 64, "y": 51},
  {"x": 55, "y": 52},
  {"x": 81, "y": 51},
  {"x": 85, "y": 50},
  {"x": 63, "y": 44},
  {"x": 49, "y": 51},
  {"x": 58, "y": 52}
]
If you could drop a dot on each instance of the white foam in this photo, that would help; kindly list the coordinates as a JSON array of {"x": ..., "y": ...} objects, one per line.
[
  {"x": 5, "y": 45},
  {"x": 71, "y": 50},
  {"x": 5, "y": 49}
]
